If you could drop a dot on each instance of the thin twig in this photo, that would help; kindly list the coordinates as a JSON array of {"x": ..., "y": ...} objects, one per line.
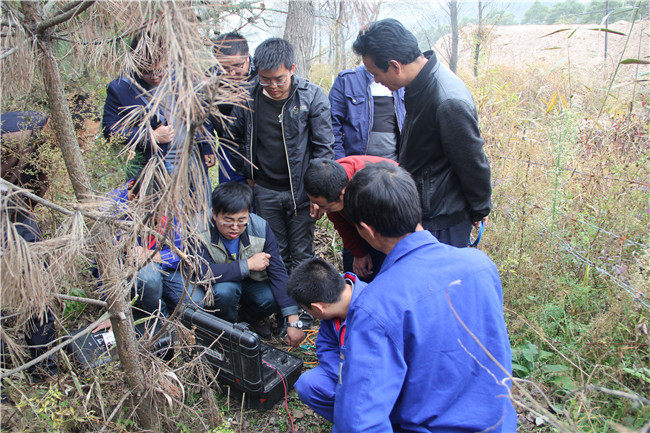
[
  {"x": 116, "y": 410},
  {"x": 16, "y": 48},
  {"x": 83, "y": 300}
]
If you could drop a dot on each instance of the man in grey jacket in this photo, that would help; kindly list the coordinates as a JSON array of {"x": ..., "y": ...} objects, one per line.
[
  {"x": 441, "y": 145},
  {"x": 286, "y": 124}
]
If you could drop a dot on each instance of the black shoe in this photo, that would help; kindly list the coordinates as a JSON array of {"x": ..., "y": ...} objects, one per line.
[
  {"x": 262, "y": 327},
  {"x": 280, "y": 328}
]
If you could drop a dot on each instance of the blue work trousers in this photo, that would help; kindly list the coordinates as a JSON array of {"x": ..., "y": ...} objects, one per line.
[{"x": 317, "y": 389}]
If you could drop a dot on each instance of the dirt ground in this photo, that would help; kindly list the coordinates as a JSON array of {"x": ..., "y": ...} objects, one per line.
[{"x": 539, "y": 48}]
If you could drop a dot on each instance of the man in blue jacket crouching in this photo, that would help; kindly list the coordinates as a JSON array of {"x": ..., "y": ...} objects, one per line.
[{"x": 410, "y": 363}]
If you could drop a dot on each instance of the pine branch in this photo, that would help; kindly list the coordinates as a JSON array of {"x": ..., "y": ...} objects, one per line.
[{"x": 58, "y": 19}]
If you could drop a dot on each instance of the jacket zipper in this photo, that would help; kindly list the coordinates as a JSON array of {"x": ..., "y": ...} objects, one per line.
[
  {"x": 286, "y": 152},
  {"x": 370, "y": 110}
]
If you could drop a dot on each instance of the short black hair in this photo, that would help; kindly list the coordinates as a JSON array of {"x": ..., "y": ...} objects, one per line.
[
  {"x": 325, "y": 178},
  {"x": 232, "y": 197},
  {"x": 148, "y": 52},
  {"x": 315, "y": 280},
  {"x": 230, "y": 44},
  {"x": 273, "y": 53},
  {"x": 385, "y": 197},
  {"x": 387, "y": 40}
]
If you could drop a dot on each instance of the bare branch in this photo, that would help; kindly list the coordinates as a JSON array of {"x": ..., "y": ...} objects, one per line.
[
  {"x": 16, "y": 48},
  {"x": 83, "y": 300},
  {"x": 64, "y": 16}
]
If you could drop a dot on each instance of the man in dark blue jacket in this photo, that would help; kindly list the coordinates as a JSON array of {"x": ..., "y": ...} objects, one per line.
[
  {"x": 125, "y": 94},
  {"x": 366, "y": 116},
  {"x": 412, "y": 361},
  {"x": 285, "y": 125},
  {"x": 242, "y": 264},
  {"x": 441, "y": 145}
]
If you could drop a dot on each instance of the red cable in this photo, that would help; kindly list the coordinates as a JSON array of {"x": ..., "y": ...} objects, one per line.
[{"x": 286, "y": 397}]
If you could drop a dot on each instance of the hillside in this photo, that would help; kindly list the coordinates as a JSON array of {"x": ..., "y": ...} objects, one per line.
[{"x": 538, "y": 48}]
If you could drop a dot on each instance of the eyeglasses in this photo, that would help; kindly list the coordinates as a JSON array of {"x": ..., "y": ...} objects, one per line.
[
  {"x": 264, "y": 82},
  {"x": 231, "y": 225},
  {"x": 156, "y": 73}
]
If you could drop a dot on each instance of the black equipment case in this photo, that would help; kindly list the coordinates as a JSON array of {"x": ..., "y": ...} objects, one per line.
[
  {"x": 262, "y": 373},
  {"x": 97, "y": 348}
]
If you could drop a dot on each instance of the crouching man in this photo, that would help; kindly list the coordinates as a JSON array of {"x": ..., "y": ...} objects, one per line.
[
  {"x": 243, "y": 265},
  {"x": 322, "y": 292},
  {"x": 412, "y": 361}
]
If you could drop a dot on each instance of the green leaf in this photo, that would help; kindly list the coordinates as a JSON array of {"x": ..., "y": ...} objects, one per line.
[
  {"x": 530, "y": 352},
  {"x": 640, "y": 373},
  {"x": 564, "y": 382},
  {"x": 635, "y": 62},
  {"x": 520, "y": 370},
  {"x": 553, "y": 368}
]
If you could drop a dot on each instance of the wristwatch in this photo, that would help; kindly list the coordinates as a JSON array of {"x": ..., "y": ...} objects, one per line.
[{"x": 296, "y": 324}]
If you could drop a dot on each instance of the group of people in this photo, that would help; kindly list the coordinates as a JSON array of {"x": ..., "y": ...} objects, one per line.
[{"x": 412, "y": 335}]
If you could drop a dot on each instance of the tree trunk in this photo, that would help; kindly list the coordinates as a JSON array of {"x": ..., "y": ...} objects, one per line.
[
  {"x": 299, "y": 30},
  {"x": 479, "y": 35},
  {"x": 58, "y": 104},
  {"x": 453, "y": 17},
  {"x": 127, "y": 347},
  {"x": 121, "y": 319}
]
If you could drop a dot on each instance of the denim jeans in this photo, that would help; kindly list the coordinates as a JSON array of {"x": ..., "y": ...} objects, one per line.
[
  {"x": 155, "y": 284},
  {"x": 256, "y": 299},
  {"x": 293, "y": 229}
]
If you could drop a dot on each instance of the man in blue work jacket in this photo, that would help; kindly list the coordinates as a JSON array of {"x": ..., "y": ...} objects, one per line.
[{"x": 409, "y": 362}]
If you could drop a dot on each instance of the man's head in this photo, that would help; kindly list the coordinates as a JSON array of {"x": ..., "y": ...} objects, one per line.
[
  {"x": 384, "y": 197},
  {"x": 231, "y": 49},
  {"x": 385, "y": 47},
  {"x": 231, "y": 206},
  {"x": 150, "y": 58},
  {"x": 318, "y": 288},
  {"x": 275, "y": 63},
  {"x": 325, "y": 181}
]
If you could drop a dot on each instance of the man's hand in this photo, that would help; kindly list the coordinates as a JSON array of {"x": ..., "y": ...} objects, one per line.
[
  {"x": 163, "y": 134},
  {"x": 362, "y": 266},
  {"x": 477, "y": 224},
  {"x": 210, "y": 160},
  {"x": 294, "y": 336},
  {"x": 259, "y": 262},
  {"x": 143, "y": 255},
  {"x": 315, "y": 211}
]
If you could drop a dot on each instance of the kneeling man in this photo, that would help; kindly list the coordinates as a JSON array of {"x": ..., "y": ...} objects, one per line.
[{"x": 242, "y": 262}]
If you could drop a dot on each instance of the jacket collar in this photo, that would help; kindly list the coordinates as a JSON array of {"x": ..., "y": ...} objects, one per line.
[
  {"x": 406, "y": 245},
  {"x": 422, "y": 79}
]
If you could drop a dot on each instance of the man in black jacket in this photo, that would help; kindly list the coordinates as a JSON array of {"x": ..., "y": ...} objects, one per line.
[
  {"x": 285, "y": 125},
  {"x": 441, "y": 145}
]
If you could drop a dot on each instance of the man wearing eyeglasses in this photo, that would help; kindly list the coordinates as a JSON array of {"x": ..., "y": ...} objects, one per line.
[
  {"x": 127, "y": 92},
  {"x": 286, "y": 124},
  {"x": 231, "y": 50},
  {"x": 242, "y": 264}
]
